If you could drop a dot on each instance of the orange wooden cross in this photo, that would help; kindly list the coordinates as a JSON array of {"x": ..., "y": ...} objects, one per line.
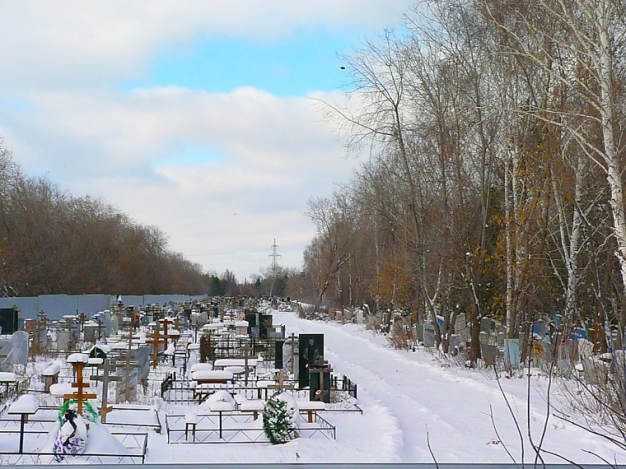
[
  {"x": 80, "y": 385},
  {"x": 155, "y": 341}
]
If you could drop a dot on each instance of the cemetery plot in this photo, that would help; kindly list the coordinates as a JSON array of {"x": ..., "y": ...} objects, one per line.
[
  {"x": 35, "y": 436},
  {"x": 235, "y": 427}
]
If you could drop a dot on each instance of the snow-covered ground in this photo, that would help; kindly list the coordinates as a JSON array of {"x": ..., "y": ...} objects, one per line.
[{"x": 409, "y": 399}]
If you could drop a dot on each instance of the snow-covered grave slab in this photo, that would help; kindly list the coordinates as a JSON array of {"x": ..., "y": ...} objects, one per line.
[
  {"x": 310, "y": 407},
  {"x": 212, "y": 376},
  {"x": 134, "y": 415},
  {"x": 7, "y": 377},
  {"x": 220, "y": 401},
  {"x": 224, "y": 362},
  {"x": 26, "y": 404},
  {"x": 61, "y": 389},
  {"x": 252, "y": 405},
  {"x": 201, "y": 367}
]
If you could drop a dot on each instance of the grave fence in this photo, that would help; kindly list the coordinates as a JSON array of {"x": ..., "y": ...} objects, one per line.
[
  {"x": 235, "y": 427},
  {"x": 136, "y": 444},
  {"x": 49, "y": 414},
  {"x": 347, "y": 385},
  {"x": 10, "y": 390}
]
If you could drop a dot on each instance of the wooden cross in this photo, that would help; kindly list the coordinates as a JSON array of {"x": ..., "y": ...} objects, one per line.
[
  {"x": 292, "y": 340},
  {"x": 166, "y": 321},
  {"x": 105, "y": 378},
  {"x": 155, "y": 341},
  {"x": 281, "y": 380},
  {"x": 80, "y": 385}
]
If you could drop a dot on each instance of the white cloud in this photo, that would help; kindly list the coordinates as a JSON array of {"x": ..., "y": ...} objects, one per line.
[
  {"x": 265, "y": 155},
  {"x": 275, "y": 153},
  {"x": 69, "y": 44}
]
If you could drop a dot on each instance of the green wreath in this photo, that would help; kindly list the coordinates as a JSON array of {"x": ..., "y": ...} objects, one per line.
[{"x": 90, "y": 413}]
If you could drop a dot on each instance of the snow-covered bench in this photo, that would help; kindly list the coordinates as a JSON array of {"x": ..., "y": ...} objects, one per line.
[
  {"x": 310, "y": 407},
  {"x": 26, "y": 405}
]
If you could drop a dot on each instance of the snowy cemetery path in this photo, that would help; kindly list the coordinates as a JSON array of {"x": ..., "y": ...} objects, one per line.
[{"x": 414, "y": 396}]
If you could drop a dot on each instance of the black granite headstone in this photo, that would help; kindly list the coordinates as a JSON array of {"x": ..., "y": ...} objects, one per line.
[
  {"x": 311, "y": 351},
  {"x": 265, "y": 325},
  {"x": 8, "y": 320},
  {"x": 278, "y": 354}
]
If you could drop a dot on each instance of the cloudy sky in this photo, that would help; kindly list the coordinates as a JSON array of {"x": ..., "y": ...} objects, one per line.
[{"x": 196, "y": 116}]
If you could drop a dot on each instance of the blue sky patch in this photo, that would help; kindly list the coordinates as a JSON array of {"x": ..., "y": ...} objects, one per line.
[{"x": 304, "y": 63}]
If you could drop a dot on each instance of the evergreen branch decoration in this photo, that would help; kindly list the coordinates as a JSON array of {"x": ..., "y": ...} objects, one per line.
[{"x": 278, "y": 421}]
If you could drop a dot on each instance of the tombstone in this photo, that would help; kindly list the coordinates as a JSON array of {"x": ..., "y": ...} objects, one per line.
[
  {"x": 19, "y": 348},
  {"x": 595, "y": 372},
  {"x": 279, "y": 354},
  {"x": 265, "y": 325},
  {"x": 8, "y": 320},
  {"x": 90, "y": 331},
  {"x": 460, "y": 323},
  {"x": 106, "y": 322},
  {"x": 489, "y": 354},
  {"x": 63, "y": 340},
  {"x": 114, "y": 325},
  {"x": 122, "y": 386},
  {"x": 585, "y": 349},
  {"x": 429, "y": 335},
  {"x": 564, "y": 362},
  {"x": 539, "y": 328},
  {"x": 194, "y": 319},
  {"x": 419, "y": 332},
  {"x": 572, "y": 346},
  {"x": 142, "y": 356},
  {"x": 501, "y": 337},
  {"x": 455, "y": 341},
  {"x": 546, "y": 349},
  {"x": 311, "y": 351},
  {"x": 487, "y": 325},
  {"x": 483, "y": 337},
  {"x": 319, "y": 376},
  {"x": 360, "y": 319},
  {"x": 241, "y": 328},
  {"x": 288, "y": 355},
  {"x": 511, "y": 353}
]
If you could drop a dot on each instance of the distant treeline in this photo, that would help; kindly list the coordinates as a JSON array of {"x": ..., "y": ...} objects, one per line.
[{"x": 53, "y": 242}]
